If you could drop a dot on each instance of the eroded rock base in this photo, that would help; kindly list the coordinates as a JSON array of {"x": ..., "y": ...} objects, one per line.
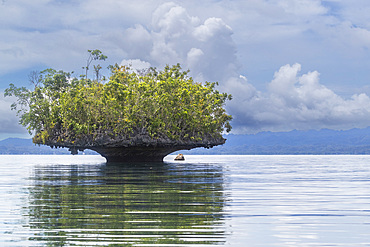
[
  {"x": 136, "y": 154},
  {"x": 138, "y": 147}
]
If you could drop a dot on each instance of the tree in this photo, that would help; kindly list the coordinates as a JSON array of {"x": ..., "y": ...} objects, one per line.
[
  {"x": 156, "y": 108},
  {"x": 93, "y": 56}
]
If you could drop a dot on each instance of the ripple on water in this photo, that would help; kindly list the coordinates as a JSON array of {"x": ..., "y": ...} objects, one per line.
[{"x": 206, "y": 200}]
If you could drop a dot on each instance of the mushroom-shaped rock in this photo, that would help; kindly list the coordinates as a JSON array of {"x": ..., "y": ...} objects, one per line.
[{"x": 137, "y": 147}]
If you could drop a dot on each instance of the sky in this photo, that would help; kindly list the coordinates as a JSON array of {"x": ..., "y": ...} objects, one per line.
[{"x": 289, "y": 64}]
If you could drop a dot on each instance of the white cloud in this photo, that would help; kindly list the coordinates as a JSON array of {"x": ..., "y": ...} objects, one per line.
[
  {"x": 208, "y": 50},
  {"x": 9, "y": 120},
  {"x": 172, "y": 20},
  {"x": 212, "y": 27},
  {"x": 174, "y": 36},
  {"x": 194, "y": 56},
  {"x": 137, "y": 42},
  {"x": 302, "y": 7},
  {"x": 58, "y": 33},
  {"x": 136, "y": 64},
  {"x": 298, "y": 102}
]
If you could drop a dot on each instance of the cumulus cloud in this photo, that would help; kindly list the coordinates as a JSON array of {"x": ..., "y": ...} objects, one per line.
[
  {"x": 294, "y": 101},
  {"x": 174, "y": 36},
  {"x": 290, "y": 101},
  {"x": 135, "y": 64}
]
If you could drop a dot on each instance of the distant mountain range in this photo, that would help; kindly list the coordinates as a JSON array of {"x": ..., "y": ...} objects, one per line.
[
  {"x": 325, "y": 141},
  {"x": 354, "y": 141},
  {"x": 25, "y": 146}
]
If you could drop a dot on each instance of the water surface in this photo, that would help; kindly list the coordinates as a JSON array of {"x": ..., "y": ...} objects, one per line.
[{"x": 203, "y": 201}]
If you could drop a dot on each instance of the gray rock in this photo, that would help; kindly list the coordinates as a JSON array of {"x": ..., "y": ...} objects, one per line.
[{"x": 133, "y": 147}]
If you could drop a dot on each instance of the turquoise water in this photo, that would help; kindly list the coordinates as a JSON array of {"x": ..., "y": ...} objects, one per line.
[{"x": 202, "y": 201}]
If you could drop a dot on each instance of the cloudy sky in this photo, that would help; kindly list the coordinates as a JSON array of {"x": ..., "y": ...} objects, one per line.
[{"x": 290, "y": 64}]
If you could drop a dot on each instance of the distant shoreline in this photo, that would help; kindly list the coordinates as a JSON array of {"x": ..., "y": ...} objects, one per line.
[{"x": 313, "y": 142}]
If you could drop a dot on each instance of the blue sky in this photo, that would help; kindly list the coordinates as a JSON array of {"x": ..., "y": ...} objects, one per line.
[{"x": 290, "y": 64}]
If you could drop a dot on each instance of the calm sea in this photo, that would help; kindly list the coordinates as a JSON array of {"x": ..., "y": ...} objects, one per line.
[{"x": 203, "y": 201}]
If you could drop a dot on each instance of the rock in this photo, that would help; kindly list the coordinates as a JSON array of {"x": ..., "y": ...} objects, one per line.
[
  {"x": 137, "y": 146},
  {"x": 180, "y": 157}
]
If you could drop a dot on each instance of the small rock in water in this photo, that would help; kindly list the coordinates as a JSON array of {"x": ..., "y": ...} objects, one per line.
[{"x": 180, "y": 157}]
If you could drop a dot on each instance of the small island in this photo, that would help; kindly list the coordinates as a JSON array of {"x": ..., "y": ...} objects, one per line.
[{"x": 132, "y": 116}]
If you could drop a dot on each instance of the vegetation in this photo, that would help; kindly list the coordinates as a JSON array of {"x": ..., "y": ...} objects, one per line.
[{"x": 164, "y": 104}]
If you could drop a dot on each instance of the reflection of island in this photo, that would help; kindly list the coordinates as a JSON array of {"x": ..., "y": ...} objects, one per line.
[{"x": 133, "y": 204}]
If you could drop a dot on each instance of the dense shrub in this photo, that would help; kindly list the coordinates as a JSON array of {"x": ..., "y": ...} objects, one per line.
[{"x": 163, "y": 104}]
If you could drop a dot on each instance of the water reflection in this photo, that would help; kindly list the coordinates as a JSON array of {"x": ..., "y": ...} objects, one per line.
[{"x": 132, "y": 204}]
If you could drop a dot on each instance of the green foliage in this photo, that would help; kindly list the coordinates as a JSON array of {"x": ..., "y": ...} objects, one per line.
[{"x": 161, "y": 104}]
